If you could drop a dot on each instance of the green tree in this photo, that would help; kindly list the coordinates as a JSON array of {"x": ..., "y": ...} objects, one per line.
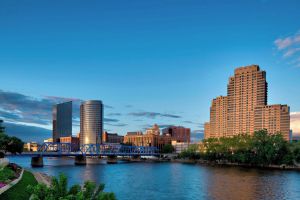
[
  {"x": 168, "y": 148},
  {"x": 58, "y": 190}
]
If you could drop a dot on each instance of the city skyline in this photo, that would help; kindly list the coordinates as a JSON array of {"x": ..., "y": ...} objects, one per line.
[{"x": 153, "y": 62}]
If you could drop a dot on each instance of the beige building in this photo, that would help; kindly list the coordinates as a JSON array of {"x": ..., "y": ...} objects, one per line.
[
  {"x": 151, "y": 138},
  {"x": 206, "y": 130},
  {"x": 245, "y": 108},
  {"x": 274, "y": 118},
  {"x": 218, "y": 116}
]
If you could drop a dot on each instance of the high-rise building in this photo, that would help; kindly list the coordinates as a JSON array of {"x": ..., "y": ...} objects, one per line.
[
  {"x": 91, "y": 122},
  {"x": 178, "y": 133},
  {"x": 62, "y": 120},
  {"x": 246, "y": 89},
  {"x": 244, "y": 110}
]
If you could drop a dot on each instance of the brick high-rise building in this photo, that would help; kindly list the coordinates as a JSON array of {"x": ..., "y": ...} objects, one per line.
[
  {"x": 245, "y": 108},
  {"x": 178, "y": 133}
]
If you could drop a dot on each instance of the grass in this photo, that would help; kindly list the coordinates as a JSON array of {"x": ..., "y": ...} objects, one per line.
[
  {"x": 18, "y": 191},
  {"x": 6, "y": 174}
]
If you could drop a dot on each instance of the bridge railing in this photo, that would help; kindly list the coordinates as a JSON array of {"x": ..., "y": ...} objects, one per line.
[{"x": 95, "y": 149}]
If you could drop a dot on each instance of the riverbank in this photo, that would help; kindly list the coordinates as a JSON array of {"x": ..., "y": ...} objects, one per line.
[{"x": 228, "y": 164}]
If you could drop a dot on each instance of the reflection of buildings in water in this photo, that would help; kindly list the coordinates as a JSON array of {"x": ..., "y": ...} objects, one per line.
[{"x": 241, "y": 183}]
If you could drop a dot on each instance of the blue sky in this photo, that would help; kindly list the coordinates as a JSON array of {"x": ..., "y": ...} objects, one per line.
[{"x": 158, "y": 61}]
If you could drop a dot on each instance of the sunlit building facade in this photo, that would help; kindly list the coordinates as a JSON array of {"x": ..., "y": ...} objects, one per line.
[
  {"x": 91, "y": 122},
  {"x": 244, "y": 109}
]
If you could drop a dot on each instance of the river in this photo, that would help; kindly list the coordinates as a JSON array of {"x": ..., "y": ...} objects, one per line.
[{"x": 165, "y": 181}]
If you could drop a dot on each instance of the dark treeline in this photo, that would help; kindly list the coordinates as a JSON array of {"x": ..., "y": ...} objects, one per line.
[{"x": 260, "y": 149}]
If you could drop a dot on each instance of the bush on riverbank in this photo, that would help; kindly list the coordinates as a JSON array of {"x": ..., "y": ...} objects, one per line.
[
  {"x": 58, "y": 190},
  {"x": 259, "y": 149},
  {"x": 6, "y": 174}
]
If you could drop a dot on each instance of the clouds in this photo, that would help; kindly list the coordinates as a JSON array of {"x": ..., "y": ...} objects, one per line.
[
  {"x": 153, "y": 115},
  {"x": 33, "y": 115},
  {"x": 289, "y": 48},
  {"x": 295, "y": 123}
]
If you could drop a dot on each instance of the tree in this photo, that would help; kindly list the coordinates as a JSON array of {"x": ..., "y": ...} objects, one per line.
[
  {"x": 11, "y": 144},
  {"x": 58, "y": 190},
  {"x": 15, "y": 145},
  {"x": 168, "y": 148}
]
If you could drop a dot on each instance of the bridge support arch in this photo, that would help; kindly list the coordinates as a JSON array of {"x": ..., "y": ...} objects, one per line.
[
  {"x": 80, "y": 160},
  {"x": 37, "y": 161}
]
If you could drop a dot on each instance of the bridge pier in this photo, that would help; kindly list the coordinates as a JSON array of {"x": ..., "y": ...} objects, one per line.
[
  {"x": 37, "y": 161},
  {"x": 80, "y": 160},
  {"x": 111, "y": 160},
  {"x": 135, "y": 158}
]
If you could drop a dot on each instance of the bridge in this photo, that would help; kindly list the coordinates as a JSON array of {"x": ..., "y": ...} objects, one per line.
[{"x": 55, "y": 149}]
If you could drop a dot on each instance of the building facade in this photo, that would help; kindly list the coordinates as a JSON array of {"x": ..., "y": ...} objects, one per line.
[
  {"x": 178, "y": 133},
  {"x": 246, "y": 89},
  {"x": 206, "y": 130},
  {"x": 244, "y": 109},
  {"x": 112, "y": 138},
  {"x": 74, "y": 141},
  {"x": 91, "y": 122},
  {"x": 61, "y": 120},
  {"x": 218, "y": 116},
  {"x": 151, "y": 138},
  {"x": 274, "y": 118}
]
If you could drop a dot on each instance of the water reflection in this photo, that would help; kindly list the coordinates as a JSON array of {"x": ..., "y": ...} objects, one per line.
[{"x": 177, "y": 181}]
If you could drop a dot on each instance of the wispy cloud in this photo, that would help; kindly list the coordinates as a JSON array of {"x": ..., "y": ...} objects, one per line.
[
  {"x": 153, "y": 115},
  {"x": 289, "y": 48},
  {"x": 114, "y": 114},
  {"x": 116, "y": 124},
  {"x": 110, "y": 120}
]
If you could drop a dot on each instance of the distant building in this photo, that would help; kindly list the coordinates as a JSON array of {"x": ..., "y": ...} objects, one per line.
[
  {"x": 180, "y": 146},
  {"x": 31, "y": 146},
  {"x": 49, "y": 140},
  {"x": 112, "y": 138},
  {"x": 178, "y": 133},
  {"x": 153, "y": 130},
  {"x": 62, "y": 120},
  {"x": 74, "y": 141},
  {"x": 91, "y": 122},
  {"x": 244, "y": 110},
  {"x": 151, "y": 138}
]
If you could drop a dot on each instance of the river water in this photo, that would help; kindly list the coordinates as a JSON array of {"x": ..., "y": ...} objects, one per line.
[{"x": 137, "y": 181}]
